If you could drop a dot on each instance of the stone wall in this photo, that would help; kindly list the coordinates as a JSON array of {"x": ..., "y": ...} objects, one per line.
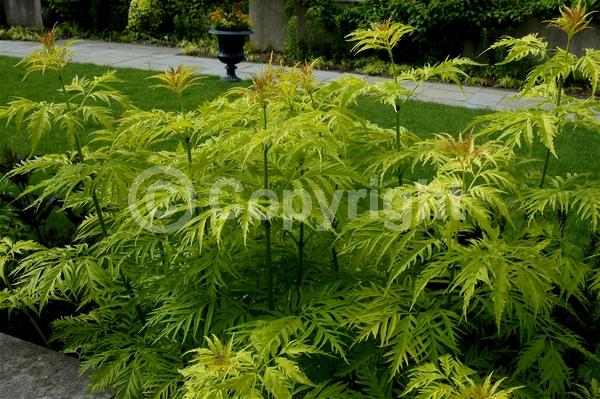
[
  {"x": 23, "y": 13},
  {"x": 269, "y": 23}
]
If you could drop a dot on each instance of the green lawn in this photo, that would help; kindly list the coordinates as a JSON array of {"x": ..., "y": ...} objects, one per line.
[
  {"x": 578, "y": 150},
  {"x": 44, "y": 87}
]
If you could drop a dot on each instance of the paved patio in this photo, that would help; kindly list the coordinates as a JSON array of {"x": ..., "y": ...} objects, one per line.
[{"x": 122, "y": 55}]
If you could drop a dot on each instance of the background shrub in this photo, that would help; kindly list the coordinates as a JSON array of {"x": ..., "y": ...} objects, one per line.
[
  {"x": 146, "y": 17},
  {"x": 179, "y": 18},
  {"x": 442, "y": 25},
  {"x": 141, "y": 18},
  {"x": 93, "y": 15}
]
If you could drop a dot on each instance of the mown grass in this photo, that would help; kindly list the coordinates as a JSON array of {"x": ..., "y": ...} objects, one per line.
[
  {"x": 44, "y": 88},
  {"x": 578, "y": 150}
]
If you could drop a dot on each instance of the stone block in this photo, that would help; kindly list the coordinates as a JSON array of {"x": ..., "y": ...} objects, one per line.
[
  {"x": 23, "y": 13},
  {"x": 28, "y": 371}
]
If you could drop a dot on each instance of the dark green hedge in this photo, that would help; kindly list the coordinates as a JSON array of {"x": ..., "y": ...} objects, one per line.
[
  {"x": 91, "y": 15},
  {"x": 442, "y": 25},
  {"x": 140, "y": 18}
]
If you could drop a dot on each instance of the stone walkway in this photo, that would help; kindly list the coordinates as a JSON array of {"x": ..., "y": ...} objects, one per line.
[
  {"x": 121, "y": 55},
  {"x": 28, "y": 371}
]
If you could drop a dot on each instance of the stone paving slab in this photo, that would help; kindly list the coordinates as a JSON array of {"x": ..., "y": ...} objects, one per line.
[
  {"x": 434, "y": 92},
  {"x": 464, "y": 90},
  {"x": 28, "y": 371},
  {"x": 126, "y": 55},
  {"x": 512, "y": 102},
  {"x": 485, "y": 99}
]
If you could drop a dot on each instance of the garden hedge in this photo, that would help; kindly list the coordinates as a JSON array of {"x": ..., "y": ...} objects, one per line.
[
  {"x": 442, "y": 25},
  {"x": 91, "y": 15}
]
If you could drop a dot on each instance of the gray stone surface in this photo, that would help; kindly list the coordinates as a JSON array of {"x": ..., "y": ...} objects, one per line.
[
  {"x": 269, "y": 23},
  {"x": 488, "y": 98},
  {"x": 121, "y": 55},
  {"x": 28, "y": 371},
  {"x": 23, "y": 13}
]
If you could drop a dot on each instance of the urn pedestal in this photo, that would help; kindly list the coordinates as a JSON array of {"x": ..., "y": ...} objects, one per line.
[{"x": 231, "y": 50}]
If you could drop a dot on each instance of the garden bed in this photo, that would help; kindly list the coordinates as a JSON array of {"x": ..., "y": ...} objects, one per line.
[{"x": 291, "y": 238}]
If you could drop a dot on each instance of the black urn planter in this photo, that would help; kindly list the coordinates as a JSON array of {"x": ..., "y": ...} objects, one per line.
[{"x": 231, "y": 49}]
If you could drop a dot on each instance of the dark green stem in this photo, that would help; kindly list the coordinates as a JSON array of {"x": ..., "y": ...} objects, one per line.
[
  {"x": 301, "y": 243},
  {"x": 558, "y": 101},
  {"x": 64, "y": 90},
  {"x": 165, "y": 256},
  {"x": 188, "y": 148},
  {"x": 99, "y": 212},
  {"x": 181, "y": 107},
  {"x": 128, "y": 287},
  {"x": 334, "y": 256},
  {"x": 397, "y": 108},
  {"x": 187, "y": 139},
  {"x": 300, "y": 269},
  {"x": 37, "y": 328},
  {"x": 269, "y": 265},
  {"x": 393, "y": 67},
  {"x": 31, "y": 319},
  {"x": 68, "y": 104},
  {"x": 78, "y": 146},
  {"x": 96, "y": 202},
  {"x": 267, "y": 223},
  {"x": 138, "y": 310},
  {"x": 398, "y": 143},
  {"x": 545, "y": 169}
]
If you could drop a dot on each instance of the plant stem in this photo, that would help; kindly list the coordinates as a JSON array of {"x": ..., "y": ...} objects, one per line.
[
  {"x": 300, "y": 270},
  {"x": 128, "y": 287},
  {"x": 334, "y": 256},
  {"x": 268, "y": 260},
  {"x": 78, "y": 146},
  {"x": 181, "y": 107},
  {"x": 267, "y": 223},
  {"x": 558, "y": 101},
  {"x": 68, "y": 104},
  {"x": 398, "y": 144},
  {"x": 301, "y": 243},
  {"x": 96, "y": 202},
  {"x": 99, "y": 211},
  {"x": 138, "y": 310},
  {"x": 188, "y": 148},
  {"x": 545, "y": 169},
  {"x": 64, "y": 90},
  {"x": 29, "y": 316},
  {"x": 187, "y": 139},
  {"x": 397, "y": 109},
  {"x": 37, "y": 328},
  {"x": 393, "y": 67},
  {"x": 312, "y": 99}
]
